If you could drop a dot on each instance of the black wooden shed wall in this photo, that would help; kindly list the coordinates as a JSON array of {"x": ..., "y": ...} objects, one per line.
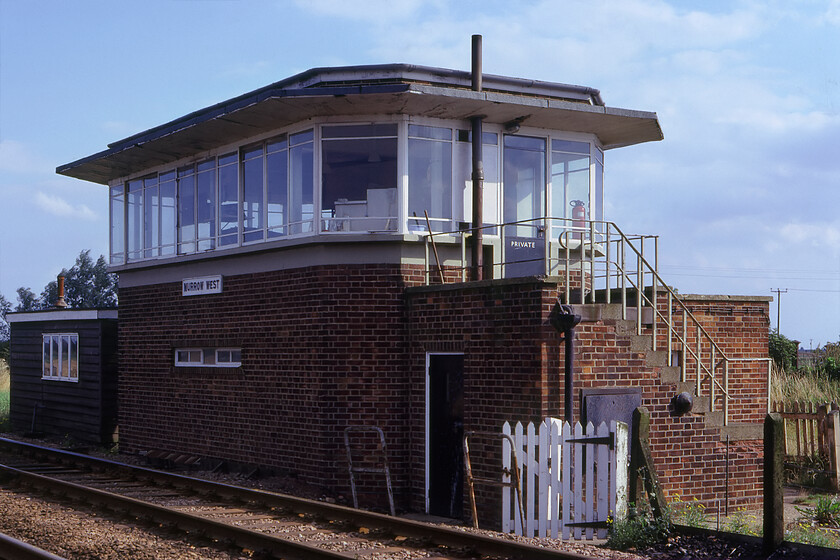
[{"x": 85, "y": 410}]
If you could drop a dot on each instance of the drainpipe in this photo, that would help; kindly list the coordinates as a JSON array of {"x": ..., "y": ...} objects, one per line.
[
  {"x": 477, "y": 168},
  {"x": 564, "y": 320}
]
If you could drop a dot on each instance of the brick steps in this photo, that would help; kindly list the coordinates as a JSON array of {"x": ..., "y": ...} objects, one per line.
[{"x": 669, "y": 373}]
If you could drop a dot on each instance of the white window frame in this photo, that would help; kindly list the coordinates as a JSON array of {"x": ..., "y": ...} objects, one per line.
[
  {"x": 47, "y": 361},
  {"x": 208, "y": 357},
  {"x": 188, "y": 362}
]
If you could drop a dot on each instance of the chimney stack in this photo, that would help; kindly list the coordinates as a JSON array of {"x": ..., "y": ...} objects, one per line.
[{"x": 60, "y": 303}]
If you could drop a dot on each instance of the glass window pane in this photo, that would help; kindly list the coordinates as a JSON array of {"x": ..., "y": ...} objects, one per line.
[
  {"x": 570, "y": 146},
  {"x": 524, "y": 183},
  {"x": 251, "y": 152},
  {"x": 228, "y": 159},
  {"x": 359, "y": 130},
  {"x": 570, "y": 193},
  {"x": 525, "y": 143},
  {"x": 430, "y": 183},
  {"x": 430, "y": 132},
  {"x": 151, "y": 220},
  {"x": 359, "y": 186},
  {"x": 277, "y": 169},
  {"x": 599, "y": 192},
  {"x": 65, "y": 357},
  {"x": 253, "y": 210},
  {"x": 463, "y": 181},
  {"x": 186, "y": 213},
  {"x": 46, "y": 368},
  {"x": 206, "y": 207},
  {"x": 301, "y": 137},
  {"x": 117, "y": 212},
  {"x": 55, "y": 363},
  {"x": 236, "y": 355},
  {"x": 135, "y": 219},
  {"x": 167, "y": 217},
  {"x": 74, "y": 357},
  {"x": 301, "y": 204},
  {"x": 276, "y": 144},
  {"x": 228, "y": 201}
]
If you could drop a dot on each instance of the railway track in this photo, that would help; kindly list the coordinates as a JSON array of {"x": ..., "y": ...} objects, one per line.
[{"x": 260, "y": 523}]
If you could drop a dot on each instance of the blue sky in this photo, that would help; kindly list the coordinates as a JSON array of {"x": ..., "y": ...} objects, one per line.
[{"x": 743, "y": 190}]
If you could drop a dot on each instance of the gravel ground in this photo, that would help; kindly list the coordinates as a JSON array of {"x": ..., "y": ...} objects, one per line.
[{"x": 83, "y": 535}]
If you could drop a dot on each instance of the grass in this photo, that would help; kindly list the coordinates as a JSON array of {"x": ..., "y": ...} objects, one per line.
[{"x": 813, "y": 385}]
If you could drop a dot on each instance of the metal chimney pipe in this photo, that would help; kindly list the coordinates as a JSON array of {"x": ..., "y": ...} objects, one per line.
[
  {"x": 60, "y": 303},
  {"x": 477, "y": 169}
]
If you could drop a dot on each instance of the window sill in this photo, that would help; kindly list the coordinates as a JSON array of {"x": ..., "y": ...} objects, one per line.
[{"x": 205, "y": 370}]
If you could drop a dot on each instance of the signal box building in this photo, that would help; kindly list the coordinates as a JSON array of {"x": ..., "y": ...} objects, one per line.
[{"x": 302, "y": 258}]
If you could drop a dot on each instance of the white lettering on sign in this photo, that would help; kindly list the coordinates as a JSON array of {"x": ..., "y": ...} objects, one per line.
[
  {"x": 524, "y": 244},
  {"x": 201, "y": 286}
]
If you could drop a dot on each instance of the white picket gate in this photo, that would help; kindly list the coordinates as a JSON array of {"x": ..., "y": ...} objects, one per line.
[{"x": 572, "y": 481}]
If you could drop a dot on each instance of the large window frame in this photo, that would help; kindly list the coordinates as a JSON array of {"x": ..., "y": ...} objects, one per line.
[
  {"x": 276, "y": 187},
  {"x": 60, "y": 357}
]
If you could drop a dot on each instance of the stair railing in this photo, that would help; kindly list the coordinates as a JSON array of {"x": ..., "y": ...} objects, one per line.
[
  {"x": 616, "y": 274},
  {"x": 596, "y": 256}
]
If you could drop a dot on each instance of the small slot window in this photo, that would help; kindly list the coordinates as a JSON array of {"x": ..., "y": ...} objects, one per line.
[
  {"x": 189, "y": 357},
  {"x": 208, "y": 357}
]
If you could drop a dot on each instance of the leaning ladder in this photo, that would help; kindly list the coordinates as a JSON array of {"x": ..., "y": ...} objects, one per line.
[
  {"x": 383, "y": 460},
  {"x": 514, "y": 476}
]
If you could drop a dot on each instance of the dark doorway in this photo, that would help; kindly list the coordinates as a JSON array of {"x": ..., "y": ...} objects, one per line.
[{"x": 446, "y": 435}]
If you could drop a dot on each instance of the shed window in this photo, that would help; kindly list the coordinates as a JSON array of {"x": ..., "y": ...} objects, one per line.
[{"x": 60, "y": 357}]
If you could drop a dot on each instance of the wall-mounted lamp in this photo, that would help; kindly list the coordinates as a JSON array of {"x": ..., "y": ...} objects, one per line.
[{"x": 512, "y": 127}]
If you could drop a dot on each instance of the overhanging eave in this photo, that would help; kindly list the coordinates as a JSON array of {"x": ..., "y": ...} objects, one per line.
[{"x": 245, "y": 118}]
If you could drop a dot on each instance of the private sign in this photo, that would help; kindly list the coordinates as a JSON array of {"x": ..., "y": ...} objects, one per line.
[{"x": 201, "y": 286}]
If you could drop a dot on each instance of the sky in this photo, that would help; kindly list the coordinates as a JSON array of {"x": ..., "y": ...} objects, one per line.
[{"x": 743, "y": 190}]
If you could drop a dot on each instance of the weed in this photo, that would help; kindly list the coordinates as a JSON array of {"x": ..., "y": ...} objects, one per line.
[
  {"x": 691, "y": 513},
  {"x": 807, "y": 534},
  {"x": 743, "y": 523},
  {"x": 639, "y": 529}
]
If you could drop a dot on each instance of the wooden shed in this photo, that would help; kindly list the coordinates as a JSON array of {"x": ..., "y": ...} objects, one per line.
[{"x": 64, "y": 374}]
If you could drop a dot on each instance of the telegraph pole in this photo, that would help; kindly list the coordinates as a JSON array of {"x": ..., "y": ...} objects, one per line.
[{"x": 778, "y": 292}]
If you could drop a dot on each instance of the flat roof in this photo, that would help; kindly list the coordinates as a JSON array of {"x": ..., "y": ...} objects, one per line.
[
  {"x": 398, "y": 89},
  {"x": 60, "y": 315}
]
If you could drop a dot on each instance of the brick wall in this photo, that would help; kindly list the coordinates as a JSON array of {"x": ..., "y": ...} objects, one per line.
[
  {"x": 322, "y": 348},
  {"x": 331, "y": 346}
]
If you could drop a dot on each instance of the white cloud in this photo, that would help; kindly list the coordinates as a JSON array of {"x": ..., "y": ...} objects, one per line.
[
  {"x": 59, "y": 207},
  {"x": 17, "y": 157},
  {"x": 832, "y": 12}
]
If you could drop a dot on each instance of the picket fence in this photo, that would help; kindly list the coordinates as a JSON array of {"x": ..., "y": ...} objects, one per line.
[{"x": 572, "y": 480}]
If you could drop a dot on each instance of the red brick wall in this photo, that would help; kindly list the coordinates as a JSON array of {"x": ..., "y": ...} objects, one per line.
[
  {"x": 322, "y": 348},
  {"x": 331, "y": 346}
]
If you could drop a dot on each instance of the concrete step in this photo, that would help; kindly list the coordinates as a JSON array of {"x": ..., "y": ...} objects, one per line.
[
  {"x": 741, "y": 432},
  {"x": 613, "y": 311}
]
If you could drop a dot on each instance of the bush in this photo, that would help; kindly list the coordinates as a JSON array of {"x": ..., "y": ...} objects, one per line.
[{"x": 783, "y": 351}]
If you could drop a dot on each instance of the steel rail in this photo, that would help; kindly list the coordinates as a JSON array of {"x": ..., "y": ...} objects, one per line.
[
  {"x": 13, "y": 549},
  {"x": 434, "y": 534},
  {"x": 165, "y": 516}
]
